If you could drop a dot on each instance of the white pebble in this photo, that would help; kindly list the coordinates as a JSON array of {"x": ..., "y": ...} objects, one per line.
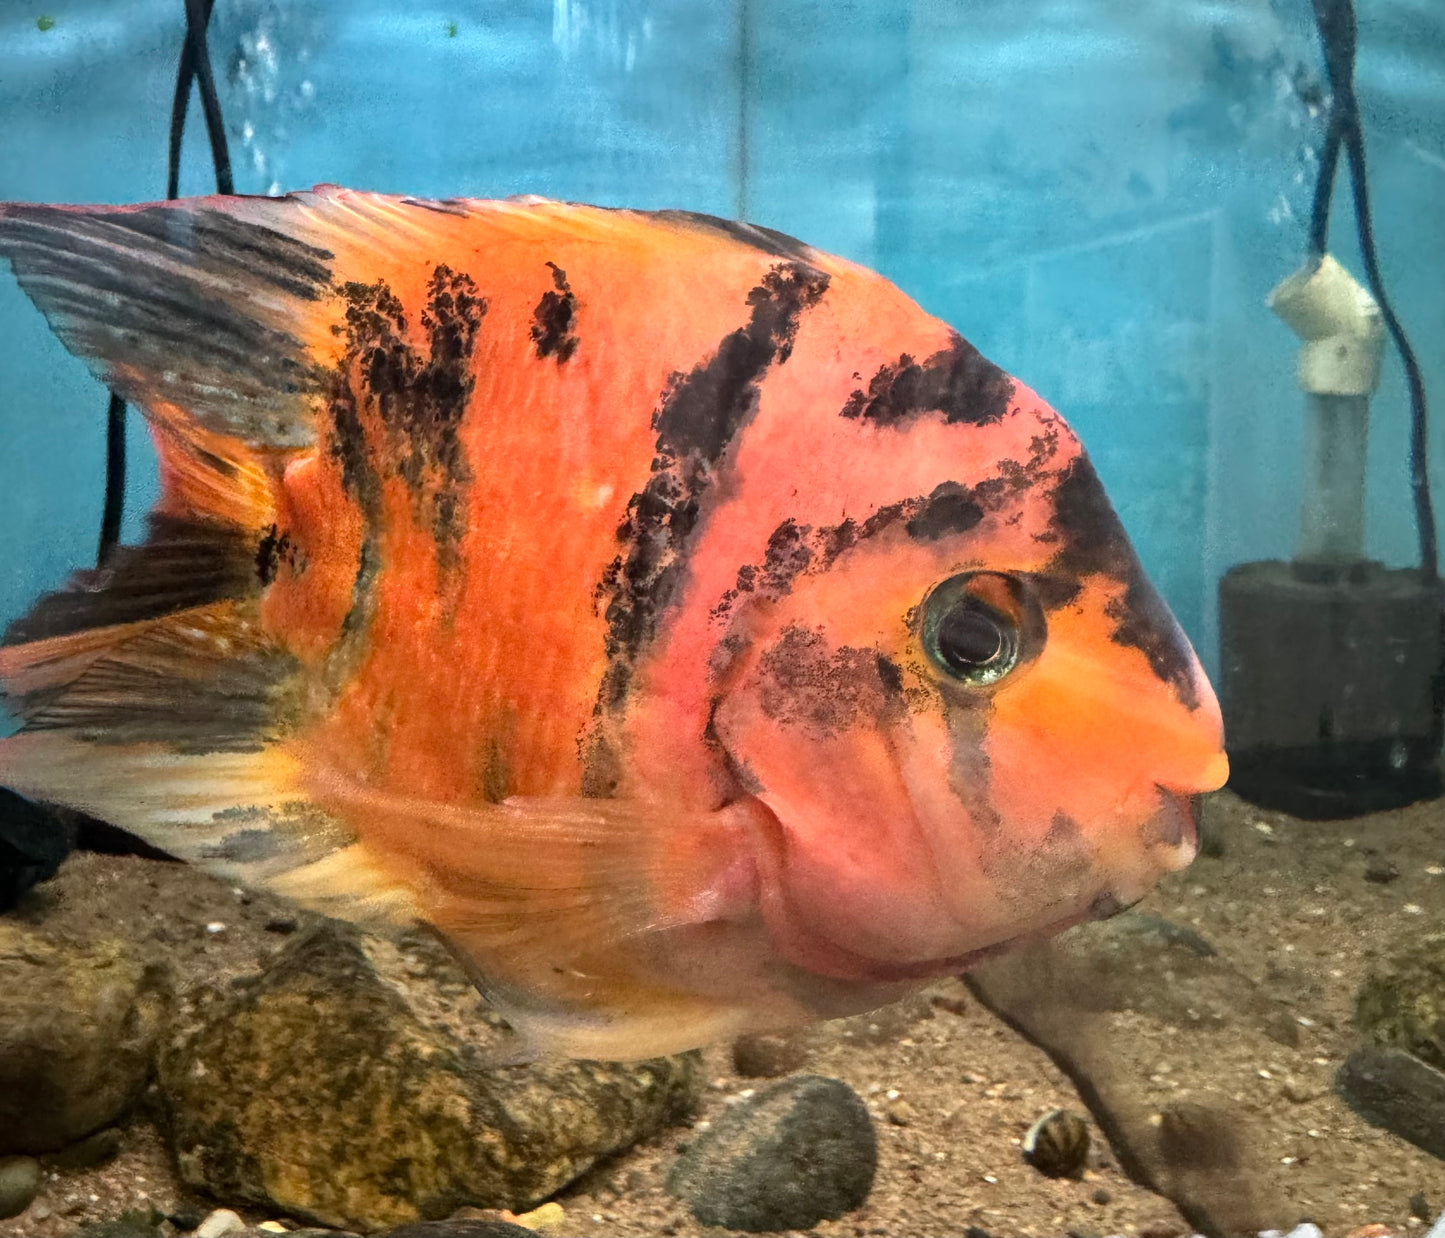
[
  {"x": 273, "y": 1227},
  {"x": 1434, "y": 869},
  {"x": 990, "y": 1179},
  {"x": 216, "y": 926},
  {"x": 221, "y": 1223},
  {"x": 1413, "y": 909}
]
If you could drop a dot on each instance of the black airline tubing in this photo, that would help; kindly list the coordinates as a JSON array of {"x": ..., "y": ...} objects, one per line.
[
  {"x": 194, "y": 65},
  {"x": 1336, "y": 21}
]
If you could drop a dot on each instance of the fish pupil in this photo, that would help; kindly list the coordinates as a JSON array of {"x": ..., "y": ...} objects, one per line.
[
  {"x": 970, "y": 637},
  {"x": 975, "y": 643}
]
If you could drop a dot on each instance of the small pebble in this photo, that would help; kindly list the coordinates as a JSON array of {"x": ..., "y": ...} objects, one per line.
[
  {"x": 220, "y": 1224},
  {"x": 280, "y": 924},
  {"x": 19, "y": 1184},
  {"x": 901, "y": 1113},
  {"x": 545, "y": 1219},
  {"x": 1420, "y": 1206},
  {"x": 1101, "y": 1196},
  {"x": 186, "y": 1218},
  {"x": 273, "y": 1227},
  {"x": 1380, "y": 870},
  {"x": 767, "y": 1055},
  {"x": 953, "y": 1005}
]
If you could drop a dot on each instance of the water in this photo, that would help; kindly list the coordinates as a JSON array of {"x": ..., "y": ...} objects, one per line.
[{"x": 1099, "y": 194}]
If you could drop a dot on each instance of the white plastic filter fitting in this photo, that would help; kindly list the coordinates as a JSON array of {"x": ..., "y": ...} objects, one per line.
[{"x": 1340, "y": 325}]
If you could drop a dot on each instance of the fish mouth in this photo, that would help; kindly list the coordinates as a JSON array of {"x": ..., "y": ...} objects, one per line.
[{"x": 1175, "y": 824}]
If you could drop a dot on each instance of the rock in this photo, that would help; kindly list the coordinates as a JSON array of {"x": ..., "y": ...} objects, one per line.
[
  {"x": 91, "y": 1151},
  {"x": 767, "y": 1055},
  {"x": 1397, "y": 1091},
  {"x": 19, "y": 1184},
  {"x": 79, "y": 1025},
  {"x": 222, "y": 1223},
  {"x": 1402, "y": 1002},
  {"x": 353, "y": 1084},
  {"x": 797, "y": 1153}
]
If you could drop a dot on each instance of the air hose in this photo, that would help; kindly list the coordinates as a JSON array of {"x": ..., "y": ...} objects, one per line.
[
  {"x": 195, "y": 65},
  {"x": 1336, "y": 22}
]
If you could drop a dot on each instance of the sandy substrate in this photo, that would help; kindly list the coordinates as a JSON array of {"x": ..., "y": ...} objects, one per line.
[{"x": 952, "y": 1089}]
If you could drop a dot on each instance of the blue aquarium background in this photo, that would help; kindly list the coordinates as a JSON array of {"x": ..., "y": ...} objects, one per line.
[{"x": 1098, "y": 193}]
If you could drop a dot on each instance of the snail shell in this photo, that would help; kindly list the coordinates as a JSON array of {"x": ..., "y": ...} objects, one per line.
[{"x": 1058, "y": 1144}]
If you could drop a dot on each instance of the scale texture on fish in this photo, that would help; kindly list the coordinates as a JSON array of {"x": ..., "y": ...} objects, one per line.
[{"x": 695, "y": 633}]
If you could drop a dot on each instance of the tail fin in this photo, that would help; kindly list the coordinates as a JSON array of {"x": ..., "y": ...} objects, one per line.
[{"x": 202, "y": 313}]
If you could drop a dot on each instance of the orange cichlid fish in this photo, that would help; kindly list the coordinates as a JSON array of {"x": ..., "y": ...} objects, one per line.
[{"x": 693, "y": 632}]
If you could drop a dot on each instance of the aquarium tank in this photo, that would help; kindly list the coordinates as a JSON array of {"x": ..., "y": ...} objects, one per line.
[{"x": 541, "y": 696}]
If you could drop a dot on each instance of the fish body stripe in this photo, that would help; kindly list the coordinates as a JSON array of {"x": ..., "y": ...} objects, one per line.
[{"x": 699, "y": 415}]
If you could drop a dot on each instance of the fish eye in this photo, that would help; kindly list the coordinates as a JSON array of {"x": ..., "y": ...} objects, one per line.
[{"x": 977, "y": 627}]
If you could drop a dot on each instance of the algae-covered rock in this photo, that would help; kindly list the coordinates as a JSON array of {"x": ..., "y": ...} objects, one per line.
[
  {"x": 350, "y": 1084},
  {"x": 79, "y": 1023},
  {"x": 1402, "y": 1003}
]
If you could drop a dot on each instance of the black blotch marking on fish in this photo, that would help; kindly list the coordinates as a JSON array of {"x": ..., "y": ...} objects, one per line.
[
  {"x": 970, "y": 772},
  {"x": 601, "y": 766},
  {"x": 419, "y": 400},
  {"x": 788, "y": 554},
  {"x": 958, "y": 381},
  {"x": 1091, "y": 541},
  {"x": 275, "y": 549},
  {"x": 1057, "y": 872},
  {"x": 949, "y": 510},
  {"x": 698, "y": 417},
  {"x": 553, "y": 319},
  {"x": 804, "y": 682},
  {"x": 891, "y": 675},
  {"x": 766, "y": 240}
]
